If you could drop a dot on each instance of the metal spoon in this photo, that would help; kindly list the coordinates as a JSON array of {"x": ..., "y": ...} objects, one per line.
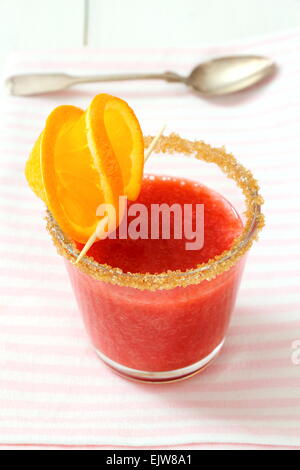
[{"x": 219, "y": 76}]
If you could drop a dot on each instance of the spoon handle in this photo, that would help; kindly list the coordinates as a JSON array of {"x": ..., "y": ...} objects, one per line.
[{"x": 39, "y": 83}]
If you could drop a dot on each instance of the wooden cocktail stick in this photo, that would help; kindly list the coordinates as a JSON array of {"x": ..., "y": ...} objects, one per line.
[
  {"x": 99, "y": 229},
  {"x": 103, "y": 222},
  {"x": 153, "y": 143}
]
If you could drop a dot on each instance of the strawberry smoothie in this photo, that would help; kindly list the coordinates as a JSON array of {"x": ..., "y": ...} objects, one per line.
[{"x": 169, "y": 329}]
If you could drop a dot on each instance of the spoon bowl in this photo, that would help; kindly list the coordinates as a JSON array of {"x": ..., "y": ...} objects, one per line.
[{"x": 226, "y": 75}]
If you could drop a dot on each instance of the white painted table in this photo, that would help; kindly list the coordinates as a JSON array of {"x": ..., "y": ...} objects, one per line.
[{"x": 39, "y": 24}]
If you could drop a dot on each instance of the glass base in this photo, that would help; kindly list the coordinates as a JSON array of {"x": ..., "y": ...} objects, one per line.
[{"x": 164, "y": 376}]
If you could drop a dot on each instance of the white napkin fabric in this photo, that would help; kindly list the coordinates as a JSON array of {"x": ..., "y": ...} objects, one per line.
[{"x": 53, "y": 389}]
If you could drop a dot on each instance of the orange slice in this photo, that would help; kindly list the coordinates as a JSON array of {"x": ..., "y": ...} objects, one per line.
[
  {"x": 83, "y": 159},
  {"x": 125, "y": 135},
  {"x": 77, "y": 179},
  {"x": 33, "y": 170}
]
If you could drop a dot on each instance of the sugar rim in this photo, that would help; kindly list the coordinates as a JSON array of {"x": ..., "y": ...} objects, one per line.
[{"x": 206, "y": 271}]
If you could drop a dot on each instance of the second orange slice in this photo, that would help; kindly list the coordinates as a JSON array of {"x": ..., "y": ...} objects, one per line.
[{"x": 111, "y": 117}]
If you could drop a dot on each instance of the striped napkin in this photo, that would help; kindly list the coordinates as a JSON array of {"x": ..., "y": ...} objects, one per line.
[{"x": 53, "y": 389}]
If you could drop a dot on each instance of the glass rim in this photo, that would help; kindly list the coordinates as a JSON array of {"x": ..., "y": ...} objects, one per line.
[{"x": 169, "y": 279}]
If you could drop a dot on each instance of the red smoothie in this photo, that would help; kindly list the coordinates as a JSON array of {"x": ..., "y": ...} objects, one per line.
[{"x": 169, "y": 329}]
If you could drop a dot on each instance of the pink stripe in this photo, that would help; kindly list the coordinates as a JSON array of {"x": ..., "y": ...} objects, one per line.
[
  {"x": 273, "y": 345},
  {"x": 37, "y": 107},
  {"x": 198, "y": 446},
  {"x": 136, "y": 62},
  {"x": 13, "y": 166},
  {"x": 265, "y": 327},
  {"x": 18, "y": 139},
  {"x": 278, "y": 307},
  {"x": 219, "y": 430},
  {"x": 26, "y": 257},
  {"x": 255, "y": 365},
  {"x": 12, "y": 181},
  {"x": 27, "y": 194},
  {"x": 65, "y": 350},
  {"x": 14, "y": 152},
  {"x": 202, "y": 445},
  {"x": 42, "y": 312},
  {"x": 214, "y": 371},
  {"x": 27, "y": 239},
  {"x": 272, "y": 258},
  {"x": 30, "y": 223},
  {"x": 270, "y": 290},
  {"x": 43, "y": 291},
  {"x": 189, "y": 117},
  {"x": 18, "y": 209},
  {"x": 156, "y": 419},
  {"x": 13, "y": 271},
  {"x": 190, "y": 113},
  {"x": 268, "y": 274},
  {"x": 288, "y": 226},
  {"x": 68, "y": 406},
  {"x": 288, "y": 210},
  {"x": 95, "y": 390}
]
